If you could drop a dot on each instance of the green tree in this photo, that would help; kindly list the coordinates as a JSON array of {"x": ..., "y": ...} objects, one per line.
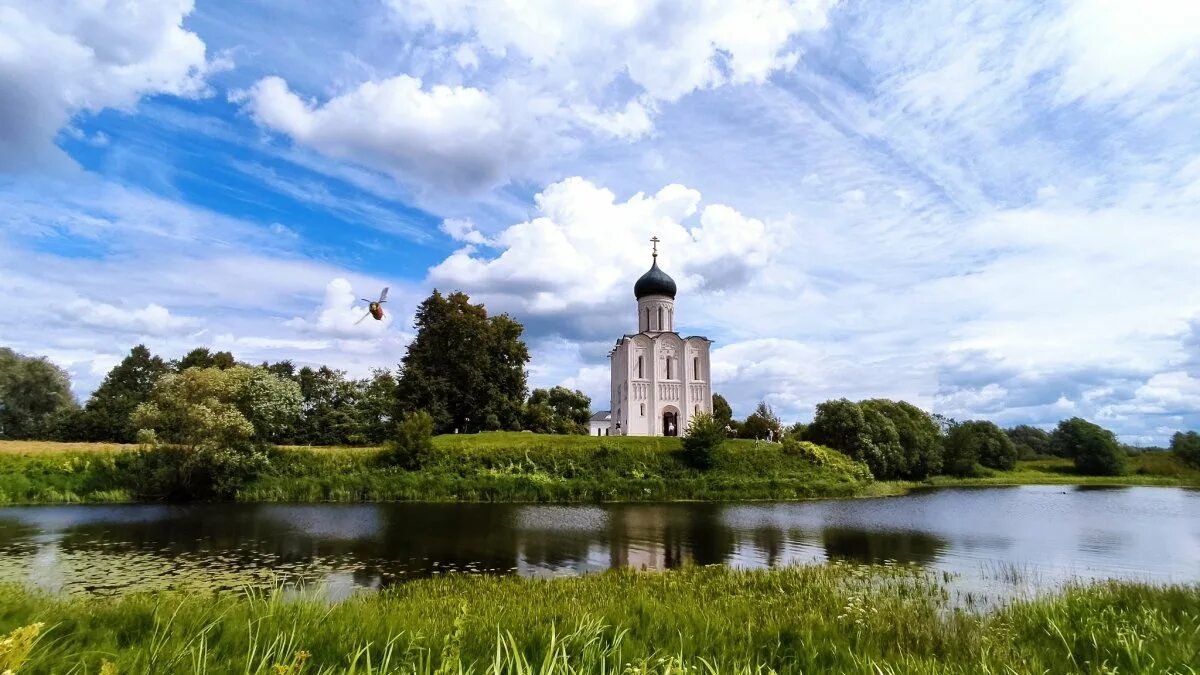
[
  {"x": 377, "y": 406},
  {"x": 763, "y": 423},
  {"x": 128, "y": 385},
  {"x": 558, "y": 411},
  {"x": 977, "y": 442},
  {"x": 1030, "y": 441},
  {"x": 862, "y": 433},
  {"x": 917, "y": 432},
  {"x": 202, "y": 357},
  {"x": 1186, "y": 447},
  {"x": 34, "y": 393},
  {"x": 412, "y": 447},
  {"x": 1094, "y": 449},
  {"x": 796, "y": 431},
  {"x": 332, "y": 415},
  {"x": 705, "y": 434},
  {"x": 721, "y": 410},
  {"x": 463, "y": 365}
]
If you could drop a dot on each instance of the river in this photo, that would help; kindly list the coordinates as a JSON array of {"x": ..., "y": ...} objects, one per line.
[{"x": 992, "y": 542}]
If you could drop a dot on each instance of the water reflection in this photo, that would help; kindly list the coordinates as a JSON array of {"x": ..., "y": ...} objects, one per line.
[{"x": 1061, "y": 532}]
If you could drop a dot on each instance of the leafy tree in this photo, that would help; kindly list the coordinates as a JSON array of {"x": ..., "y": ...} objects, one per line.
[
  {"x": 1094, "y": 449},
  {"x": 201, "y": 357},
  {"x": 721, "y": 410},
  {"x": 917, "y": 432},
  {"x": 978, "y": 442},
  {"x": 412, "y": 447},
  {"x": 862, "y": 433},
  {"x": 128, "y": 385},
  {"x": 796, "y": 431},
  {"x": 330, "y": 402},
  {"x": 705, "y": 434},
  {"x": 558, "y": 411},
  {"x": 377, "y": 406},
  {"x": 1029, "y": 440},
  {"x": 1186, "y": 447},
  {"x": 33, "y": 393},
  {"x": 762, "y": 423},
  {"x": 463, "y": 365}
]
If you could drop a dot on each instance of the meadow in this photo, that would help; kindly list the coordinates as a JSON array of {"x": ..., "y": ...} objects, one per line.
[
  {"x": 523, "y": 467},
  {"x": 833, "y": 618}
]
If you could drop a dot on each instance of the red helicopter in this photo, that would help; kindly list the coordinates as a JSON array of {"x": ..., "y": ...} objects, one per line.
[{"x": 374, "y": 309}]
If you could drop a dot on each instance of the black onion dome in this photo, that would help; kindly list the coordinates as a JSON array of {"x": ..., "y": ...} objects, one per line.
[{"x": 654, "y": 282}]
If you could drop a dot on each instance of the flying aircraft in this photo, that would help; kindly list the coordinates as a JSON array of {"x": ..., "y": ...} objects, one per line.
[{"x": 375, "y": 308}]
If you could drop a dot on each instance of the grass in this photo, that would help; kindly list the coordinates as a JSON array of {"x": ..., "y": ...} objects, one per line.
[
  {"x": 834, "y": 618},
  {"x": 1147, "y": 468}
]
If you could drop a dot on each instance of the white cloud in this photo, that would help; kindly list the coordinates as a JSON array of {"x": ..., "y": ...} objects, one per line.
[
  {"x": 667, "y": 48},
  {"x": 153, "y": 319},
  {"x": 68, "y": 56},
  {"x": 464, "y": 231}
]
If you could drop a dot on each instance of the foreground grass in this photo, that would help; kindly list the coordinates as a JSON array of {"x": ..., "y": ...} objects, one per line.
[
  {"x": 835, "y": 618},
  {"x": 512, "y": 467}
]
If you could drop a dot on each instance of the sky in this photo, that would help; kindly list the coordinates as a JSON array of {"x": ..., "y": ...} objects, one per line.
[{"x": 989, "y": 209}]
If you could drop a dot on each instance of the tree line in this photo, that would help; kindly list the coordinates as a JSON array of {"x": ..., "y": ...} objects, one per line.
[{"x": 466, "y": 369}]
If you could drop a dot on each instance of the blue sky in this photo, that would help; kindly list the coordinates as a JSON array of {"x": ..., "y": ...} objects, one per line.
[{"x": 989, "y": 209}]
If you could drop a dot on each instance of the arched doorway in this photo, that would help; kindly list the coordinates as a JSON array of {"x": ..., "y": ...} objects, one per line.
[{"x": 670, "y": 421}]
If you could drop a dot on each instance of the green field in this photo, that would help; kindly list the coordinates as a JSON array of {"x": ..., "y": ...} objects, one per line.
[
  {"x": 522, "y": 467},
  {"x": 834, "y": 618}
]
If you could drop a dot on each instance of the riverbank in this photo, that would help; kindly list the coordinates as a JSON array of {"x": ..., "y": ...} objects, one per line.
[
  {"x": 489, "y": 467},
  {"x": 519, "y": 467},
  {"x": 831, "y": 618}
]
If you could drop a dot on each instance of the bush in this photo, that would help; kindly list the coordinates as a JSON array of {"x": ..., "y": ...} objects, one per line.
[
  {"x": 862, "y": 433},
  {"x": 177, "y": 473},
  {"x": 1094, "y": 449},
  {"x": 975, "y": 443},
  {"x": 1031, "y": 442},
  {"x": 412, "y": 448},
  {"x": 704, "y": 435},
  {"x": 1186, "y": 447}
]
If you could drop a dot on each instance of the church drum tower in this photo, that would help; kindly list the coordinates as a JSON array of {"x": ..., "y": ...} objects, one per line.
[{"x": 659, "y": 379}]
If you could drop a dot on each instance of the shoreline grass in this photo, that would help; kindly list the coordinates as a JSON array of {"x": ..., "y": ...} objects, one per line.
[
  {"x": 532, "y": 468},
  {"x": 833, "y": 618}
]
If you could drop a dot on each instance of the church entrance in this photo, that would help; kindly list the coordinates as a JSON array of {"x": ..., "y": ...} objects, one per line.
[{"x": 670, "y": 422}]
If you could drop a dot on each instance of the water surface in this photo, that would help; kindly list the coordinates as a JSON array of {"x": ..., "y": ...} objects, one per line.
[{"x": 1000, "y": 541}]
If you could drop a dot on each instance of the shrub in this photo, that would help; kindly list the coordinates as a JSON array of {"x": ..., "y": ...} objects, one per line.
[
  {"x": 178, "y": 473},
  {"x": 918, "y": 434},
  {"x": 412, "y": 447},
  {"x": 1094, "y": 449},
  {"x": 861, "y": 432},
  {"x": 1031, "y": 442},
  {"x": 978, "y": 442},
  {"x": 704, "y": 435},
  {"x": 1186, "y": 447}
]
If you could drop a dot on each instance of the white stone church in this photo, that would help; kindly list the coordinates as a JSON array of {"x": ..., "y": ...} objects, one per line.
[{"x": 659, "y": 379}]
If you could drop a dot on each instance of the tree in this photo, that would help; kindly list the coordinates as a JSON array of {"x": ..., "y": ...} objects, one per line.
[
  {"x": 705, "y": 434},
  {"x": 1187, "y": 447},
  {"x": 463, "y": 365},
  {"x": 33, "y": 394},
  {"x": 917, "y": 432},
  {"x": 201, "y": 357},
  {"x": 762, "y": 423},
  {"x": 412, "y": 447},
  {"x": 1094, "y": 449},
  {"x": 796, "y": 431},
  {"x": 861, "y": 433},
  {"x": 721, "y": 410},
  {"x": 1030, "y": 441},
  {"x": 558, "y": 411},
  {"x": 128, "y": 385},
  {"x": 977, "y": 442},
  {"x": 331, "y": 408},
  {"x": 377, "y": 405}
]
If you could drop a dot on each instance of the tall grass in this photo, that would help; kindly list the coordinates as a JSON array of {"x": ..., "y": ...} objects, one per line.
[{"x": 835, "y": 618}]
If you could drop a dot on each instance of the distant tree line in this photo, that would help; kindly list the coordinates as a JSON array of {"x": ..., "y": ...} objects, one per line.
[{"x": 465, "y": 369}]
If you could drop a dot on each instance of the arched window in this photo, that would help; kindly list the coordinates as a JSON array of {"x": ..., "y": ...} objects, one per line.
[
  {"x": 696, "y": 367},
  {"x": 660, "y": 321},
  {"x": 640, "y": 364},
  {"x": 643, "y": 410},
  {"x": 668, "y": 367},
  {"x": 696, "y": 410},
  {"x": 647, "y": 318}
]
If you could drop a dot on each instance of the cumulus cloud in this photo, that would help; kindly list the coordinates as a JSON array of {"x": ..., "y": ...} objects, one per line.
[
  {"x": 585, "y": 248},
  {"x": 153, "y": 319},
  {"x": 456, "y": 138},
  {"x": 68, "y": 56},
  {"x": 340, "y": 313}
]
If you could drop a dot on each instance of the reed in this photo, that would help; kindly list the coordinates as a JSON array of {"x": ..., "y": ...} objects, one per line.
[{"x": 834, "y": 618}]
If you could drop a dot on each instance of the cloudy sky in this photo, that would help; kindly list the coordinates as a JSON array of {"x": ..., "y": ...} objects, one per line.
[{"x": 991, "y": 209}]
